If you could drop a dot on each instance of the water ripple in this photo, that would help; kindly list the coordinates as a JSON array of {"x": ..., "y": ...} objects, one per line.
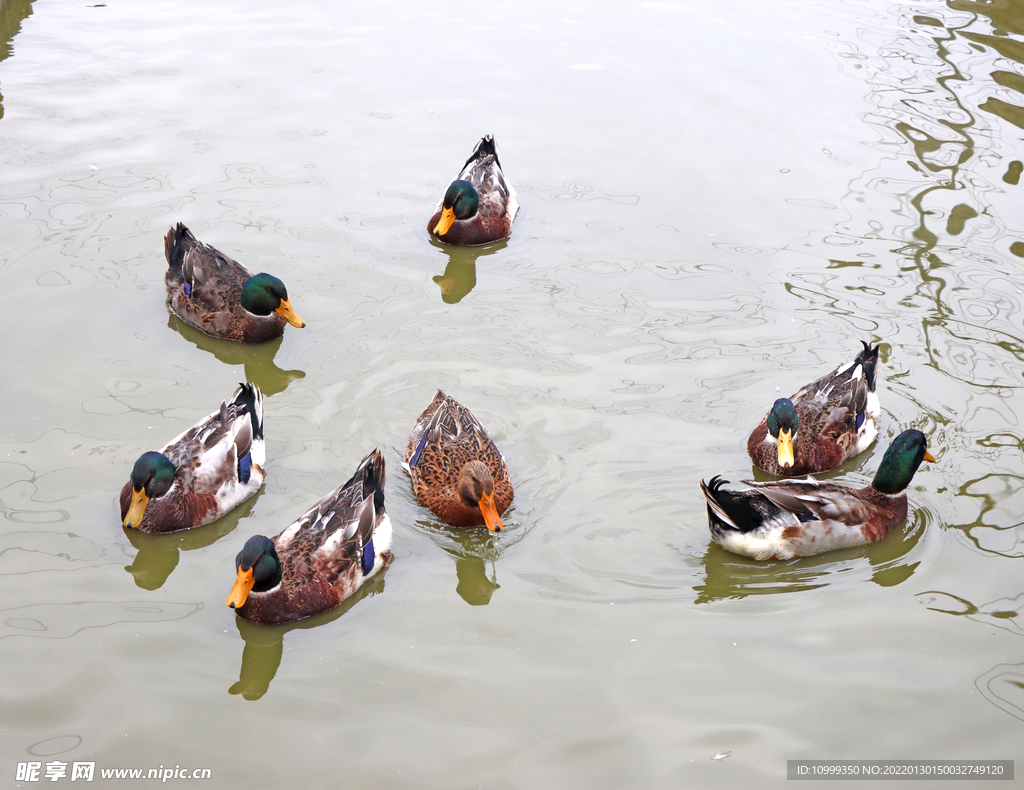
[{"x": 62, "y": 621}]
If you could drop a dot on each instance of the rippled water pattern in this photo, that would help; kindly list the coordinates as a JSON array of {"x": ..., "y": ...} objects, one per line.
[{"x": 718, "y": 204}]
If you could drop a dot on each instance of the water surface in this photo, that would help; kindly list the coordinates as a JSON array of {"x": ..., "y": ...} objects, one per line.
[{"x": 718, "y": 205}]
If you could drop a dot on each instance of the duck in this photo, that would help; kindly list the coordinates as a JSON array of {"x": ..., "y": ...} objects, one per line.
[
  {"x": 219, "y": 296},
  {"x": 205, "y": 472},
  {"x": 457, "y": 471},
  {"x": 782, "y": 519},
  {"x": 825, "y": 423},
  {"x": 479, "y": 205},
  {"x": 321, "y": 558}
]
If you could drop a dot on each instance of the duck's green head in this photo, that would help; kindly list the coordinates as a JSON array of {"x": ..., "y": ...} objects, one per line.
[
  {"x": 257, "y": 567},
  {"x": 152, "y": 477},
  {"x": 900, "y": 462},
  {"x": 461, "y": 201},
  {"x": 782, "y": 423},
  {"x": 264, "y": 294}
]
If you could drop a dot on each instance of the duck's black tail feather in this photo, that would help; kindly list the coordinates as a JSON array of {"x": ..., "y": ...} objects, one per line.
[
  {"x": 177, "y": 242},
  {"x": 484, "y": 148},
  {"x": 734, "y": 510},
  {"x": 250, "y": 398},
  {"x": 374, "y": 476},
  {"x": 869, "y": 359}
]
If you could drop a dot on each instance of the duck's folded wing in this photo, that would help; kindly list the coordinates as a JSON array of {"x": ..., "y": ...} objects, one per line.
[{"x": 810, "y": 499}]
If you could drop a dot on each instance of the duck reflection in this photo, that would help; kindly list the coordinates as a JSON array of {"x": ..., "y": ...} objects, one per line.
[
  {"x": 258, "y": 359},
  {"x": 264, "y": 644},
  {"x": 472, "y": 549},
  {"x": 474, "y": 587},
  {"x": 731, "y": 576},
  {"x": 159, "y": 554},
  {"x": 459, "y": 276}
]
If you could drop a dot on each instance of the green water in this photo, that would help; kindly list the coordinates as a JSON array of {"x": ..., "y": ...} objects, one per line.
[{"x": 718, "y": 205}]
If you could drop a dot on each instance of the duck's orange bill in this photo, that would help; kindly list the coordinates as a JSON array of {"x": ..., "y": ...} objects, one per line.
[
  {"x": 785, "y": 446},
  {"x": 137, "y": 509},
  {"x": 240, "y": 592},
  {"x": 929, "y": 457},
  {"x": 491, "y": 517},
  {"x": 289, "y": 315},
  {"x": 447, "y": 218}
]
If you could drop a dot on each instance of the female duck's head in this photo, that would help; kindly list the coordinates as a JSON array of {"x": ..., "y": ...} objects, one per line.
[{"x": 476, "y": 488}]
